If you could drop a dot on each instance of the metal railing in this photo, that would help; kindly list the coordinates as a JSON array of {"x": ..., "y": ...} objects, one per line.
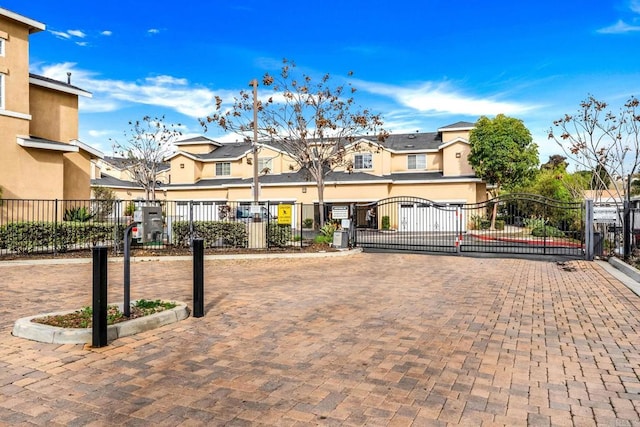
[{"x": 60, "y": 226}]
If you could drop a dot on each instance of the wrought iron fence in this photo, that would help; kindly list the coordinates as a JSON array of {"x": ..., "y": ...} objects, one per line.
[
  {"x": 511, "y": 224},
  {"x": 58, "y": 226}
]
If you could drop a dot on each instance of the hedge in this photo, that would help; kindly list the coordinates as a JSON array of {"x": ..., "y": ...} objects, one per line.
[
  {"x": 231, "y": 233},
  {"x": 27, "y": 237}
]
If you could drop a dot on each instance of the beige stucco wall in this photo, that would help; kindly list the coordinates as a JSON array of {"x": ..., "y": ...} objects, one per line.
[
  {"x": 196, "y": 148},
  {"x": 77, "y": 176},
  {"x": 456, "y": 166},
  {"x": 450, "y": 136},
  {"x": 55, "y": 114},
  {"x": 15, "y": 66},
  {"x": 400, "y": 162}
]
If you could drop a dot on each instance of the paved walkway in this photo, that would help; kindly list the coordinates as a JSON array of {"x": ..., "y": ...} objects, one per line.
[{"x": 368, "y": 339}]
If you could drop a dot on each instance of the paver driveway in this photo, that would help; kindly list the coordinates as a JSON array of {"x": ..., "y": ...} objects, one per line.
[{"x": 365, "y": 339}]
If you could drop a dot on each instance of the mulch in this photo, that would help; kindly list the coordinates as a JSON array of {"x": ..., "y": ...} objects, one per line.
[{"x": 172, "y": 251}]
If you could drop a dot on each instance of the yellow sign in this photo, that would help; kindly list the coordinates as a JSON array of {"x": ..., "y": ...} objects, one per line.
[{"x": 284, "y": 214}]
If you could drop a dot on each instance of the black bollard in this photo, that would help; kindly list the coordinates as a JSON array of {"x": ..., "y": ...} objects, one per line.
[
  {"x": 198, "y": 278},
  {"x": 99, "y": 330}
]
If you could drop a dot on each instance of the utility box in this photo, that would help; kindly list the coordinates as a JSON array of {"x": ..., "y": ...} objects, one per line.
[
  {"x": 150, "y": 226},
  {"x": 340, "y": 239}
]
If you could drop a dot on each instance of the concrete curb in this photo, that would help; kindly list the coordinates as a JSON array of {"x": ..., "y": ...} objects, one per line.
[
  {"x": 25, "y": 328},
  {"x": 340, "y": 252},
  {"x": 628, "y": 275}
]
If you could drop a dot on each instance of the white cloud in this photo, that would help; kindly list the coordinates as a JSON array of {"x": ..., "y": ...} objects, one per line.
[
  {"x": 106, "y": 33},
  {"x": 76, "y": 33},
  {"x": 440, "y": 98},
  {"x": 634, "y": 5},
  {"x": 110, "y": 95},
  {"x": 60, "y": 34},
  {"x": 619, "y": 27},
  {"x": 82, "y": 43},
  {"x": 99, "y": 133},
  {"x": 153, "y": 31}
]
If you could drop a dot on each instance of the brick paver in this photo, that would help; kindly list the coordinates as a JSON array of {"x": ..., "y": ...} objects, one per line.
[{"x": 366, "y": 339}]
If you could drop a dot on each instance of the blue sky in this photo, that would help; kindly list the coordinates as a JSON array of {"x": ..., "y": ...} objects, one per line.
[{"x": 421, "y": 64}]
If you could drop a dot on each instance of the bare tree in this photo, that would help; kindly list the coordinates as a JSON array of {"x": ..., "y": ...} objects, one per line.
[
  {"x": 603, "y": 142},
  {"x": 147, "y": 144},
  {"x": 315, "y": 123}
]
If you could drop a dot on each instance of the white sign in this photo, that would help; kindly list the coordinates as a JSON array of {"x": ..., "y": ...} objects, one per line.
[
  {"x": 605, "y": 214},
  {"x": 339, "y": 212}
]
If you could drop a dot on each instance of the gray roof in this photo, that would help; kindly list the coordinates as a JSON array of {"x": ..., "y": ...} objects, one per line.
[
  {"x": 59, "y": 84},
  {"x": 226, "y": 151},
  {"x": 122, "y": 163},
  {"x": 413, "y": 141},
  {"x": 109, "y": 181},
  {"x": 459, "y": 125},
  {"x": 197, "y": 140}
]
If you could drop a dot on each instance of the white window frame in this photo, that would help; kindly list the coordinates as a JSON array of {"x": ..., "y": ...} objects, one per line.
[
  {"x": 264, "y": 162},
  {"x": 366, "y": 161},
  {"x": 221, "y": 170},
  {"x": 3, "y": 46},
  {"x": 419, "y": 161}
]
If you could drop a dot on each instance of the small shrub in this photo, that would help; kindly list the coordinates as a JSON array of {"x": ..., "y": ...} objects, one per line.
[
  {"x": 322, "y": 239},
  {"x": 129, "y": 209},
  {"x": 79, "y": 214},
  {"x": 533, "y": 223},
  {"x": 547, "y": 231},
  {"x": 386, "y": 223},
  {"x": 307, "y": 223},
  {"x": 279, "y": 234},
  {"x": 500, "y": 224}
]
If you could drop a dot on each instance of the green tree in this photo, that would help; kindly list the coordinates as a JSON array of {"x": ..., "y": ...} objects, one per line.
[
  {"x": 104, "y": 199},
  {"x": 502, "y": 153},
  {"x": 315, "y": 122},
  {"x": 147, "y": 144}
]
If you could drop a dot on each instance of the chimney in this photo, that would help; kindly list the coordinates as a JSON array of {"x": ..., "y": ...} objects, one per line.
[{"x": 68, "y": 77}]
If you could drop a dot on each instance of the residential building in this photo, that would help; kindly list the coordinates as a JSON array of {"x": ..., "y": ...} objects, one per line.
[
  {"x": 40, "y": 154},
  {"x": 430, "y": 165}
]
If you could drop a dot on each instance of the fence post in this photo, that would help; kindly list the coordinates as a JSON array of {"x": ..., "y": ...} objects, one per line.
[
  {"x": 99, "y": 326},
  {"x": 198, "y": 277},
  {"x": 55, "y": 227},
  {"x": 588, "y": 230},
  {"x": 191, "y": 223},
  {"x": 626, "y": 229}
]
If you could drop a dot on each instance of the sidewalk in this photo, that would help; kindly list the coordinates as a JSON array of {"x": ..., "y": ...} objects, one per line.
[{"x": 366, "y": 339}]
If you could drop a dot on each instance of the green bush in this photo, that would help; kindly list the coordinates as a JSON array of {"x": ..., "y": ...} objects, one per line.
[
  {"x": 386, "y": 223},
  {"x": 500, "y": 224},
  {"x": 307, "y": 223},
  {"x": 322, "y": 239},
  {"x": 27, "y": 237},
  {"x": 231, "y": 233},
  {"x": 79, "y": 214},
  {"x": 279, "y": 234},
  {"x": 547, "y": 231}
]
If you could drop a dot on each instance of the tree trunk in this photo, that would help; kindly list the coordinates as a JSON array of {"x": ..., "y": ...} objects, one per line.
[
  {"x": 320, "y": 186},
  {"x": 494, "y": 214}
]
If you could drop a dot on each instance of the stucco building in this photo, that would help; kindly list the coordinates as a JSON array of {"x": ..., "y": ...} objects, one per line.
[
  {"x": 40, "y": 154},
  {"x": 206, "y": 174}
]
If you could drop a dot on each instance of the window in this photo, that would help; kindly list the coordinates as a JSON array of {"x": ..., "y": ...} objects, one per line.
[
  {"x": 363, "y": 161},
  {"x": 417, "y": 161},
  {"x": 223, "y": 169},
  {"x": 2, "y": 47},
  {"x": 264, "y": 165}
]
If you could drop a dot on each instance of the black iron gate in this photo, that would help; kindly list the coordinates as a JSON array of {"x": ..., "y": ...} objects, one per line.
[{"x": 510, "y": 224}]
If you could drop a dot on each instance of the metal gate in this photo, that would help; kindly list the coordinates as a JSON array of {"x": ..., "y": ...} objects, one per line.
[{"x": 510, "y": 224}]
